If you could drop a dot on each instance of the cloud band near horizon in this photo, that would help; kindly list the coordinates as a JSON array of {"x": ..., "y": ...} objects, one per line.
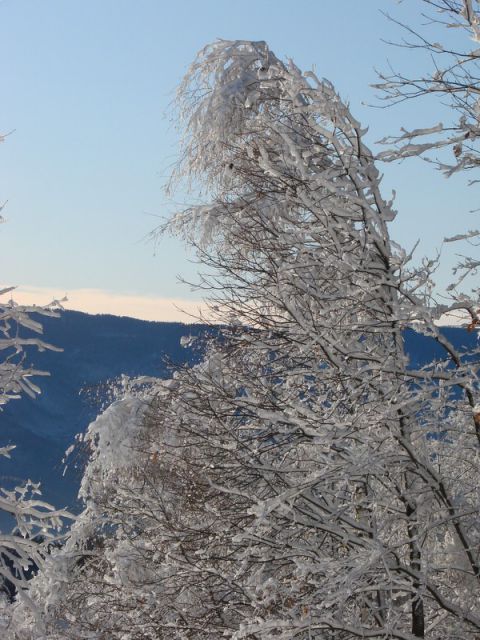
[{"x": 100, "y": 301}]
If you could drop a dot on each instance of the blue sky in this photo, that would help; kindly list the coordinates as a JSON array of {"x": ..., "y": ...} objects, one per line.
[{"x": 87, "y": 87}]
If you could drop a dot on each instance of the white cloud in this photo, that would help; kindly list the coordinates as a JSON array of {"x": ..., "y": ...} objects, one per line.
[
  {"x": 100, "y": 301},
  {"x": 458, "y": 318}
]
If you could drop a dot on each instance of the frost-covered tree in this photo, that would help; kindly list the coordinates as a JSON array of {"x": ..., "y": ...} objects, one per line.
[
  {"x": 446, "y": 46},
  {"x": 35, "y": 524},
  {"x": 83, "y": 588},
  {"x": 303, "y": 481},
  {"x": 361, "y": 518},
  {"x": 448, "y": 71},
  {"x": 111, "y": 579}
]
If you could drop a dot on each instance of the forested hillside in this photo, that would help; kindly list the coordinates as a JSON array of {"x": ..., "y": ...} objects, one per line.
[{"x": 96, "y": 351}]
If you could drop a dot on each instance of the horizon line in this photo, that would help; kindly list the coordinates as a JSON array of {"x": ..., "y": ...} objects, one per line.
[{"x": 101, "y": 301}]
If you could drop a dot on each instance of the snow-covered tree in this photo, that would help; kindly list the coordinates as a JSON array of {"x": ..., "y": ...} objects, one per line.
[
  {"x": 361, "y": 518},
  {"x": 448, "y": 71},
  {"x": 81, "y": 590},
  {"x": 304, "y": 481},
  {"x": 446, "y": 46},
  {"x": 35, "y": 524}
]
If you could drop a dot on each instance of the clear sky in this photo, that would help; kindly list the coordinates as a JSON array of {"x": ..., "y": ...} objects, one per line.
[{"x": 87, "y": 87}]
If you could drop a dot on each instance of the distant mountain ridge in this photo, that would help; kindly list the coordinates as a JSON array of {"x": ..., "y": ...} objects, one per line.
[{"x": 98, "y": 348}]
